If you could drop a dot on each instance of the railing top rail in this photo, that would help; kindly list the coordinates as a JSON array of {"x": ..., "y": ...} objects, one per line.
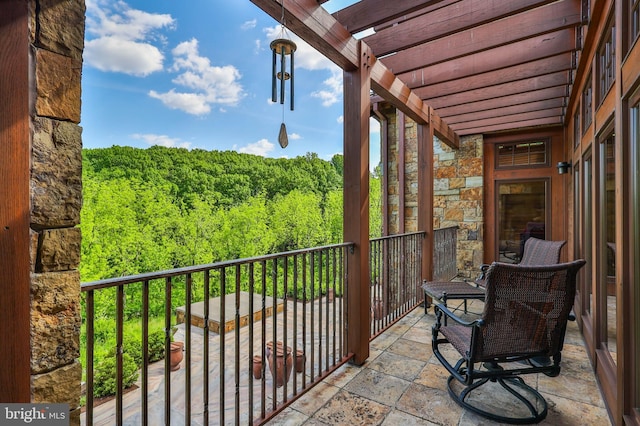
[
  {"x": 447, "y": 227},
  {"x": 112, "y": 282},
  {"x": 388, "y": 237}
]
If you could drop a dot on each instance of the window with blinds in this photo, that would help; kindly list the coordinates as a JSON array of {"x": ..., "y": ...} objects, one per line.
[{"x": 523, "y": 154}]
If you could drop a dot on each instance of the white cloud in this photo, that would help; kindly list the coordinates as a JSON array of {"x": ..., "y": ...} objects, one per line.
[
  {"x": 124, "y": 38},
  {"x": 161, "y": 140},
  {"x": 340, "y": 119},
  {"x": 125, "y": 56},
  {"x": 191, "y": 103},
  {"x": 294, "y": 136},
  {"x": 262, "y": 148},
  {"x": 207, "y": 84},
  {"x": 333, "y": 92},
  {"x": 248, "y": 25}
]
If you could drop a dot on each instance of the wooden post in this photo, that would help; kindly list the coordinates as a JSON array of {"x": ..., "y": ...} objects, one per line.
[
  {"x": 356, "y": 202},
  {"x": 15, "y": 154},
  {"x": 425, "y": 195}
]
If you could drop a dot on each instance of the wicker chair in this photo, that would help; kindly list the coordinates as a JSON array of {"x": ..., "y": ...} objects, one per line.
[
  {"x": 525, "y": 316},
  {"x": 536, "y": 252}
]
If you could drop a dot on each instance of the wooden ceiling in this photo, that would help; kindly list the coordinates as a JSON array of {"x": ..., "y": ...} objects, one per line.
[
  {"x": 483, "y": 65},
  {"x": 465, "y": 66}
]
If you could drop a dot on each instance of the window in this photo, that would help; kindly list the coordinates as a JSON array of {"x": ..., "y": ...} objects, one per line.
[
  {"x": 521, "y": 154},
  {"x": 607, "y": 63},
  {"x": 587, "y": 95}
]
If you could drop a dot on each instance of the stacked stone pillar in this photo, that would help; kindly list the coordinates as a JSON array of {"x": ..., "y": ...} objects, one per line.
[
  {"x": 458, "y": 188},
  {"x": 57, "y": 41}
]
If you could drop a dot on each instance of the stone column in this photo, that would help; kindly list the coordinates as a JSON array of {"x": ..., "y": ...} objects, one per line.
[
  {"x": 57, "y": 41},
  {"x": 458, "y": 199}
]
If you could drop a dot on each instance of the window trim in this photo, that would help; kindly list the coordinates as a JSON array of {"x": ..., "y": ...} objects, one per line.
[{"x": 546, "y": 141}]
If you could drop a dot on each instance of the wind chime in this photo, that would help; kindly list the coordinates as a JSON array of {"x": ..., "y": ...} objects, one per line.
[{"x": 282, "y": 48}]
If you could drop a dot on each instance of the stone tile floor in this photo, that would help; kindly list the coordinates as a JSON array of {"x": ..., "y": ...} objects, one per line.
[{"x": 402, "y": 383}]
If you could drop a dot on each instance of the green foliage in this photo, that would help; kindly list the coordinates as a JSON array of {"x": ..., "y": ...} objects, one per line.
[
  {"x": 161, "y": 208},
  {"x": 156, "y": 346},
  {"x": 105, "y": 375}
]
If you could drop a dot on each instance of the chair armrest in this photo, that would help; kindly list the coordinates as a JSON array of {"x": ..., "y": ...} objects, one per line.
[
  {"x": 440, "y": 309},
  {"x": 483, "y": 272}
]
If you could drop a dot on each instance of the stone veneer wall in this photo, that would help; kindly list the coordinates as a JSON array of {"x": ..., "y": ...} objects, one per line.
[
  {"x": 458, "y": 189},
  {"x": 410, "y": 174},
  {"x": 57, "y": 41},
  {"x": 458, "y": 199}
]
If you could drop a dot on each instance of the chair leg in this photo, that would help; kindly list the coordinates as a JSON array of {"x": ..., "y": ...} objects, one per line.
[{"x": 535, "y": 405}]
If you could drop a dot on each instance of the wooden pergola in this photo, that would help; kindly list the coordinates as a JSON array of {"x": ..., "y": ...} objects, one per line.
[{"x": 456, "y": 67}]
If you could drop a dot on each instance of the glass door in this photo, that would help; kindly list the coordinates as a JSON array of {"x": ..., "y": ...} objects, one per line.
[{"x": 522, "y": 213}]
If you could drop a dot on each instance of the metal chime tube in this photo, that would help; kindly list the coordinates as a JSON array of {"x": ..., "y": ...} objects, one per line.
[
  {"x": 274, "y": 92},
  {"x": 283, "y": 63},
  {"x": 291, "y": 83}
]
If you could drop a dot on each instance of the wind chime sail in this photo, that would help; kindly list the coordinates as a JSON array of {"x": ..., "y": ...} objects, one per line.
[{"x": 281, "y": 72}]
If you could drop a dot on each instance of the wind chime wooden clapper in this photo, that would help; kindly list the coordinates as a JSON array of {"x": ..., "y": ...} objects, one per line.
[{"x": 282, "y": 48}]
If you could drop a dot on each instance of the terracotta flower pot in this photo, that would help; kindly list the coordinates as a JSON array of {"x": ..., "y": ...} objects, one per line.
[
  {"x": 257, "y": 367},
  {"x": 176, "y": 355},
  {"x": 300, "y": 360},
  {"x": 279, "y": 371},
  {"x": 330, "y": 295}
]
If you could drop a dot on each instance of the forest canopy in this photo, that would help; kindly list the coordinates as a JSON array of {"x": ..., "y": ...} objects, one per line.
[{"x": 162, "y": 208}]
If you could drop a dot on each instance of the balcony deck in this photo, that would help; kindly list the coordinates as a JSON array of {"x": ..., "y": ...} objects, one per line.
[{"x": 401, "y": 382}]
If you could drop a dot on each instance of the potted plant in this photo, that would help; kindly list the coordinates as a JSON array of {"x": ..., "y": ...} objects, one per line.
[{"x": 175, "y": 351}]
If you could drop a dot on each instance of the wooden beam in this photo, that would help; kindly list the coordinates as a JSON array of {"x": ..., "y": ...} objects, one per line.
[
  {"x": 369, "y": 13},
  {"x": 517, "y": 125},
  {"x": 521, "y": 86},
  {"x": 356, "y": 203},
  {"x": 392, "y": 89},
  {"x": 504, "y": 119},
  {"x": 505, "y": 75},
  {"x": 445, "y": 21},
  {"x": 511, "y": 99},
  {"x": 320, "y": 30},
  {"x": 509, "y": 55},
  {"x": 507, "y": 110},
  {"x": 317, "y": 27},
  {"x": 547, "y": 19},
  {"x": 15, "y": 370}
]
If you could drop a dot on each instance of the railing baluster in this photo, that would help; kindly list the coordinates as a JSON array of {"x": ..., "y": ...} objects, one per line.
[
  {"x": 251, "y": 332},
  {"x": 145, "y": 352},
  {"x": 319, "y": 322},
  {"x": 167, "y": 353},
  {"x": 274, "y": 289},
  {"x": 205, "y": 369},
  {"x": 237, "y": 345},
  {"x": 90, "y": 312},
  {"x": 221, "y": 333},
  {"x": 285, "y": 322},
  {"x": 312, "y": 279},
  {"x": 263, "y": 386},
  {"x": 304, "y": 317},
  {"x": 326, "y": 322},
  {"x": 187, "y": 341},
  {"x": 119, "y": 352}
]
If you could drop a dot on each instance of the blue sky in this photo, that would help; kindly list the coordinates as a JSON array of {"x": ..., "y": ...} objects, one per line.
[{"x": 196, "y": 75}]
